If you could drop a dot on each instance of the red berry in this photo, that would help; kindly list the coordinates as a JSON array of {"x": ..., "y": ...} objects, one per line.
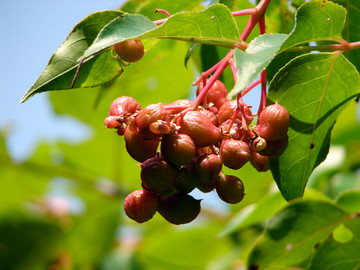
[
  {"x": 179, "y": 209},
  {"x": 158, "y": 175},
  {"x": 124, "y": 105},
  {"x": 259, "y": 162},
  {"x": 199, "y": 128},
  {"x": 273, "y": 122},
  {"x": 139, "y": 148},
  {"x": 216, "y": 94},
  {"x": 130, "y": 50},
  {"x": 227, "y": 110},
  {"x": 112, "y": 122},
  {"x": 141, "y": 205},
  {"x": 229, "y": 188},
  {"x": 178, "y": 149},
  {"x": 234, "y": 153}
]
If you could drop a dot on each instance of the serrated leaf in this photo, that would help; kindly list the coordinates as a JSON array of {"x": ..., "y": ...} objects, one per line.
[
  {"x": 314, "y": 88},
  {"x": 317, "y": 20},
  {"x": 292, "y": 234},
  {"x": 334, "y": 255},
  {"x": 61, "y": 69},
  {"x": 214, "y": 26},
  {"x": 255, "y": 59}
]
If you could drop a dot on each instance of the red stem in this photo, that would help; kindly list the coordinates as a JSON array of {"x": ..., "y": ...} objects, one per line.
[
  {"x": 163, "y": 11},
  {"x": 251, "y": 86}
]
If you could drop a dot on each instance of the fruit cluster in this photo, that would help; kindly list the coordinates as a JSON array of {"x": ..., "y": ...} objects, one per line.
[{"x": 182, "y": 147}]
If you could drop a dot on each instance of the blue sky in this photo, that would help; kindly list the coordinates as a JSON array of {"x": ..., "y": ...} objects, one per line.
[{"x": 31, "y": 31}]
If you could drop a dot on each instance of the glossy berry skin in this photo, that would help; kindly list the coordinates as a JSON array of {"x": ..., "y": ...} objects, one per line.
[
  {"x": 158, "y": 175},
  {"x": 259, "y": 162},
  {"x": 139, "y": 148},
  {"x": 141, "y": 205},
  {"x": 199, "y": 128},
  {"x": 178, "y": 149},
  {"x": 124, "y": 105},
  {"x": 229, "y": 188},
  {"x": 130, "y": 50},
  {"x": 227, "y": 110},
  {"x": 216, "y": 94},
  {"x": 179, "y": 209},
  {"x": 234, "y": 153},
  {"x": 273, "y": 122}
]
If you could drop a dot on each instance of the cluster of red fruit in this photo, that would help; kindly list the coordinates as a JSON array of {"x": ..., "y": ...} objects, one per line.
[{"x": 194, "y": 145}]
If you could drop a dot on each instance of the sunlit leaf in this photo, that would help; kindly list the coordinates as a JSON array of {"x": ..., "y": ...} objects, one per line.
[
  {"x": 292, "y": 234},
  {"x": 308, "y": 87}
]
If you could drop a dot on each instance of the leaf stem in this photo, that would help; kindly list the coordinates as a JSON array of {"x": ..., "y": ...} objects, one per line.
[
  {"x": 163, "y": 11},
  {"x": 344, "y": 47}
]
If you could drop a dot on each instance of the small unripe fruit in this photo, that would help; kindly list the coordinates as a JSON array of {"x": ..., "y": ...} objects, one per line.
[
  {"x": 199, "y": 128},
  {"x": 178, "y": 149},
  {"x": 179, "y": 209},
  {"x": 216, "y": 94},
  {"x": 141, "y": 205},
  {"x": 158, "y": 175},
  {"x": 139, "y": 148},
  {"x": 234, "y": 153},
  {"x": 160, "y": 127},
  {"x": 229, "y": 188},
  {"x": 124, "y": 105},
  {"x": 273, "y": 122},
  {"x": 259, "y": 162},
  {"x": 130, "y": 50}
]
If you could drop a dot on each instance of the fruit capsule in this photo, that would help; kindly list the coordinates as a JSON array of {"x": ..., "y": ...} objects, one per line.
[
  {"x": 234, "y": 153},
  {"x": 179, "y": 209},
  {"x": 229, "y": 188},
  {"x": 141, "y": 205},
  {"x": 158, "y": 175},
  {"x": 227, "y": 110},
  {"x": 130, "y": 50},
  {"x": 216, "y": 94},
  {"x": 199, "y": 128},
  {"x": 178, "y": 149},
  {"x": 139, "y": 148},
  {"x": 273, "y": 122},
  {"x": 124, "y": 105},
  {"x": 259, "y": 162}
]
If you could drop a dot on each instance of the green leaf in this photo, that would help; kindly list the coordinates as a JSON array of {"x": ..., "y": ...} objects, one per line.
[
  {"x": 349, "y": 200},
  {"x": 314, "y": 88},
  {"x": 255, "y": 213},
  {"x": 334, "y": 255},
  {"x": 255, "y": 59},
  {"x": 292, "y": 234},
  {"x": 317, "y": 20},
  {"x": 351, "y": 30},
  {"x": 61, "y": 69},
  {"x": 214, "y": 26}
]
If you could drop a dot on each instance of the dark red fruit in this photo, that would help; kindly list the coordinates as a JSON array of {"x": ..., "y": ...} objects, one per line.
[
  {"x": 227, "y": 110},
  {"x": 187, "y": 181},
  {"x": 234, "y": 153},
  {"x": 179, "y": 105},
  {"x": 124, "y": 105},
  {"x": 150, "y": 114},
  {"x": 141, "y": 205},
  {"x": 130, "y": 50},
  {"x": 158, "y": 175},
  {"x": 199, "y": 128},
  {"x": 208, "y": 166},
  {"x": 259, "y": 162},
  {"x": 273, "y": 122},
  {"x": 179, "y": 209},
  {"x": 216, "y": 94},
  {"x": 236, "y": 131},
  {"x": 275, "y": 148},
  {"x": 139, "y": 148},
  {"x": 229, "y": 188},
  {"x": 212, "y": 116},
  {"x": 178, "y": 149}
]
